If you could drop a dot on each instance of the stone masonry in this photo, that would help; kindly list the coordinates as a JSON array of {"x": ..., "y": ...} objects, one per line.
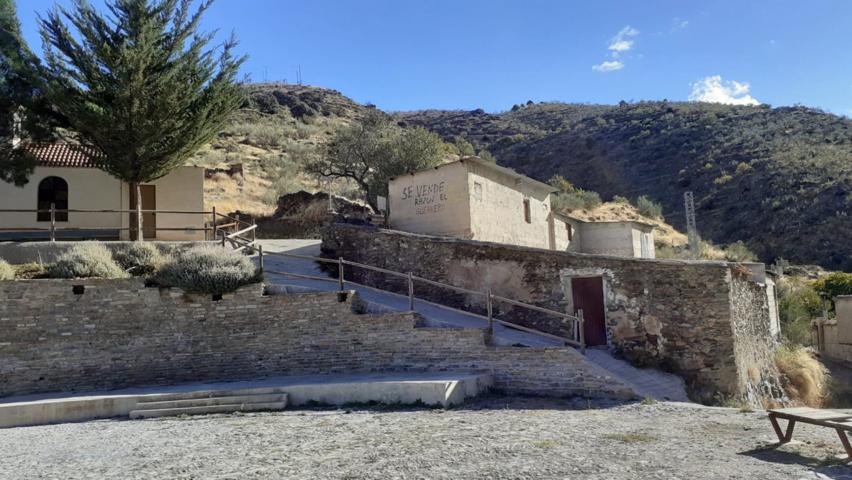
[
  {"x": 78, "y": 335},
  {"x": 690, "y": 318}
]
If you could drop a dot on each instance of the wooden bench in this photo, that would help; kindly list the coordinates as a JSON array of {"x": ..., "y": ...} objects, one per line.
[{"x": 841, "y": 422}]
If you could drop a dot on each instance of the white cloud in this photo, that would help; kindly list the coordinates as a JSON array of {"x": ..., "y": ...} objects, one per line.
[
  {"x": 622, "y": 41},
  {"x": 679, "y": 24},
  {"x": 715, "y": 90},
  {"x": 609, "y": 66}
]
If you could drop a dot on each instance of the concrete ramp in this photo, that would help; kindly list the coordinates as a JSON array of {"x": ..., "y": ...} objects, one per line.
[{"x": 439, "y": 389}]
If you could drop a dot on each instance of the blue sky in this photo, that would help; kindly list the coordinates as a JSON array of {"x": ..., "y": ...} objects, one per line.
[{"x": 406, "y": 55}]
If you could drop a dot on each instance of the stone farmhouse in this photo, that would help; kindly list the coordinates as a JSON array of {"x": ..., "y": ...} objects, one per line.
[
  {"x": 90, "y": 203},
  {"x": 479, "y": 200}
]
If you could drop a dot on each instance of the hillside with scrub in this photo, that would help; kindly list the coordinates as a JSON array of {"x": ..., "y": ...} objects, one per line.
[{"x": 778, "y": 180}]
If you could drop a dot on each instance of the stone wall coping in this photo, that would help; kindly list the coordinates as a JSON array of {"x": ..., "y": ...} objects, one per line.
[{"x": 464, "y": 241}]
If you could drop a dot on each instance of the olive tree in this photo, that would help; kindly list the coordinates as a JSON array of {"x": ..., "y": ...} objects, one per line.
[{"x": 373, "y": 151}]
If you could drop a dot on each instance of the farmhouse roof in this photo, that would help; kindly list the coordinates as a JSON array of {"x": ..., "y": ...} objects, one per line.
[
  {"x": 497, "y": 168},
  {"x": 64, "y": 155}
]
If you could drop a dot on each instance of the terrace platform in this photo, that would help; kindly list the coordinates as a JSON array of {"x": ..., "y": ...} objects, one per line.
[{"x": 433, "y": 389}]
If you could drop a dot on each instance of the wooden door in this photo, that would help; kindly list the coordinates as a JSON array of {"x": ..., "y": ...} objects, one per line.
[
  {"x": 149, "y": 219},
  {"x": 588, "y": 296}
]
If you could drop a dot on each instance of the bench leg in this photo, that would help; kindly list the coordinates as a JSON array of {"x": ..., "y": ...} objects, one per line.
[
  {"x": 845, "y": 441},
  {"x": 786, "y": 436}
]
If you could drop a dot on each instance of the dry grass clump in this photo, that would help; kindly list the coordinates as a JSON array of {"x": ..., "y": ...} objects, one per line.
[
  {"x": 316, "y": 211},
  {"x": 6, "y": 270},
  {"x": 805, "y": 378},
  {"x": 86, "y": 260}
]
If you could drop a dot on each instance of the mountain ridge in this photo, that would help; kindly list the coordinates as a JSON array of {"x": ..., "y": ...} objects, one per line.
[{"x": 779, "y": 179}]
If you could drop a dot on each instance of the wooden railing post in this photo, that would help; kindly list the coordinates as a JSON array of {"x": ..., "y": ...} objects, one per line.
[
  {"x": 410, "y": 291},
  {"x": 581, "y": 321},
  {"x": 214, "y": 222},
  {"x": 340, "y": 272},
  {"x": 260, "y": 257},
  {"x": 489, "y": 306},
  {"x": 52, "y": 222},
  {"x": 253, "y": 232}
]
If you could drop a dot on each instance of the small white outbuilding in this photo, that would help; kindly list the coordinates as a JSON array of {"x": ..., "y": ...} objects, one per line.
[
  {"x": 68, "y": 177},
  {"x": 479, "y": 200}
]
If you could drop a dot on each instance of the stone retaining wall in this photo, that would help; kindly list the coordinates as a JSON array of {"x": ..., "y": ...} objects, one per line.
[
  {"x": 676, "y": 315},
  {"x": 61, "y": 335}
]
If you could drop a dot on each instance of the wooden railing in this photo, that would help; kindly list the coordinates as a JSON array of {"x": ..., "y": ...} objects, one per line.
[
  {"x": 218, "y": 224},
  {"x": 575, "y": 320}
]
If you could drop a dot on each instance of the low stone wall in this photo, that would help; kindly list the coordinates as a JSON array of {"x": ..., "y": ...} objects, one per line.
[
  {"x": 61, "y": 335},
  {"x": 754, "y": 340},
  {"x": 675, "y": 315}
]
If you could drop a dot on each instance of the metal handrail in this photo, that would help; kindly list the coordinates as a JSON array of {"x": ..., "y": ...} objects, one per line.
[{"x": 576, "y": 320}]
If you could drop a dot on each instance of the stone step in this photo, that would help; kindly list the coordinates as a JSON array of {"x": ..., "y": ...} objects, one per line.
[
  {"x": 207, "y": 402},
  {"x": 170, "y": 412},
  {"x": 213, "y": 394}
]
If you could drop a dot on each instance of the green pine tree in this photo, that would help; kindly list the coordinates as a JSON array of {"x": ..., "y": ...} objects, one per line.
[
  {"x": 25, "y": 116},
  {"x": 140, "y": 84}
]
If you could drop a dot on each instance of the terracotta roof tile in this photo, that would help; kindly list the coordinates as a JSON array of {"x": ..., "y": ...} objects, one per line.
[{"x": 64, "y": 155}]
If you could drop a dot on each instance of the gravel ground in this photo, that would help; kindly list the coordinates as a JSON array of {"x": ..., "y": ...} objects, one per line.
[{"x": 494, "y": 437}]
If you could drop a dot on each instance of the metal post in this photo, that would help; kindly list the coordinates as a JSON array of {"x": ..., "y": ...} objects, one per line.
[
  {"x": 223, "y": 241},
  {"x": 52, "y": 222},
  {"x": 260, "y": 257},
  {"x": 410, "y": 291},
  {"x": 581, "y": 321},
  {"x": 214, "y": 223},
  {"x": 489, "y": 306},
  {"x": 340, "y": 272}
]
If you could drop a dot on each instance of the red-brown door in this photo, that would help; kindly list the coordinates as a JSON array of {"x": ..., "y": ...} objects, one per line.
[{"x": 588, "y": 296}]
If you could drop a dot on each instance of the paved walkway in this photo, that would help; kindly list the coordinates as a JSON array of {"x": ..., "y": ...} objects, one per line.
[{"x": 645, "y": 382}]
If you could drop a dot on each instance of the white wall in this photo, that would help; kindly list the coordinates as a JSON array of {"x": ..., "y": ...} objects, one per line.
[
  {"x": 182, "y": 189},
  {"x": 611, "y": 238},
  {"x": 843, "y": 314},
  {"x": 561, "y": 240},
  {"x": 837, "y": 334},
  {"x": 93, "y": 189},
  {"x": 497, "y": 209},
  {"x": 88, "y": 189},
  {"x": 434, "y": 202}
]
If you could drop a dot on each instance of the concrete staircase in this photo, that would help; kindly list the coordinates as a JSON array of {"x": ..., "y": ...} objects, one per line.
[{"x": 211, "y": 401}]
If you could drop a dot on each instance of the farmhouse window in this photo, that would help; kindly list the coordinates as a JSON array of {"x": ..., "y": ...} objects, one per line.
[
  {"x": 527, "y": 212},
  {"x": 52, "y": 191}
]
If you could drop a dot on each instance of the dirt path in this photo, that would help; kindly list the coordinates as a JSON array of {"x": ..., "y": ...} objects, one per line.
[{"x": 496, "y": 437}]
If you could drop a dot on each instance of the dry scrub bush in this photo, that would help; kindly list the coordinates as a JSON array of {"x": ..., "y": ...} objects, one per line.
[
  {"x": 207, "y": 269},
  {"x": 86, "y": 260},
  {"x": 6, "y": 270},
  {"x": 138, "y": 258},
  {"x": 805, "y": 378}
]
